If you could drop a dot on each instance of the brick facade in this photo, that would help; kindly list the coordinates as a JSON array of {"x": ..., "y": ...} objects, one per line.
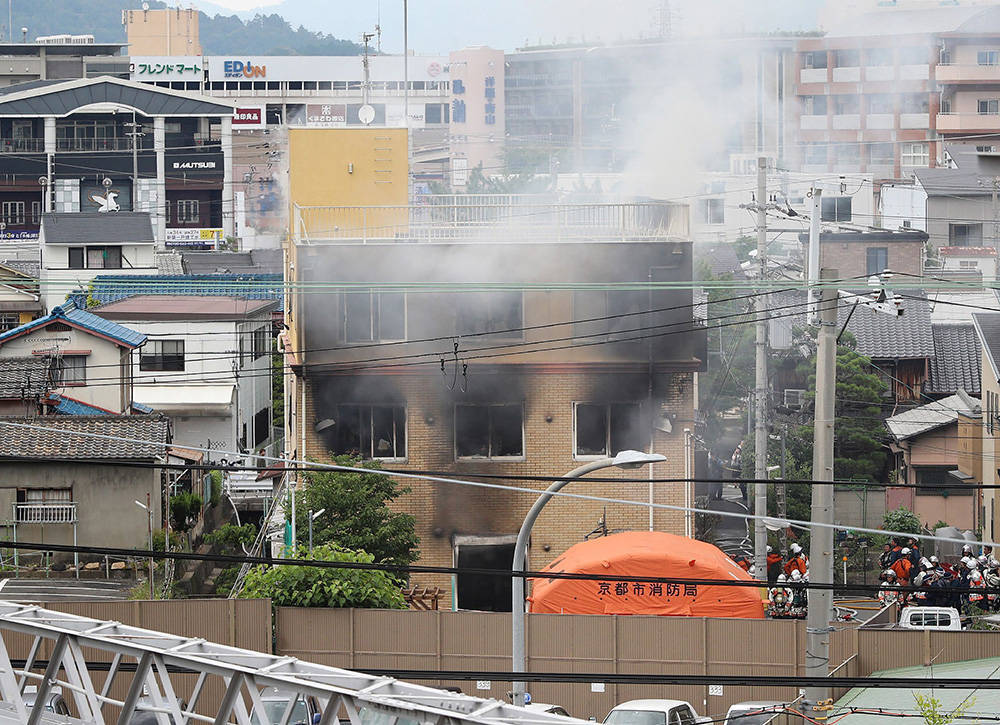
[{"x": 444, "y": 511}]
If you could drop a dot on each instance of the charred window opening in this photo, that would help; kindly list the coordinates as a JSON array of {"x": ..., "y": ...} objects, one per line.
[
  {"x": 489, "y": 431},
  {"x": 374, "y": 316},
  {"x": 368, "y": 431},
  {"x": 484, "y": 592},
  {"x": 607, "y": 429},
  {"x": 615, "y": 313},
  {"x": 493, "y": 315}
]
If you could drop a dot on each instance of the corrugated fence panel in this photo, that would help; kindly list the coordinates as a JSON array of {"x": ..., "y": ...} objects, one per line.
[
  {"x": 957, "y": 646},
  {"x": 323, "y": 636}
]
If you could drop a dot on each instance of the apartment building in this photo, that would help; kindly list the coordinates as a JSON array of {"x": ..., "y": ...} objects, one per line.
[
  {"x": 879, "y": 92},
  {"x": 538, "y": 346},
  {"x": 596, "y": 105}
]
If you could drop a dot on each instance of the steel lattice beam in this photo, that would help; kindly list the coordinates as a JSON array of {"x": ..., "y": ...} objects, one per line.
[{"x": 246, "y": 675}]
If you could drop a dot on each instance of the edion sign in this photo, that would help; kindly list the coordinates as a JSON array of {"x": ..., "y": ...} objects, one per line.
[{"x": 248, "y": 117}]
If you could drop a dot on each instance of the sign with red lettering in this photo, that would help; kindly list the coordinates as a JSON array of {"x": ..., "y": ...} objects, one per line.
[{"x": 251, "y": 117}]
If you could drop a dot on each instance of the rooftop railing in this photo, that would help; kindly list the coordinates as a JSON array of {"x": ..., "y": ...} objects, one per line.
[{"x": 491, "y": 219}]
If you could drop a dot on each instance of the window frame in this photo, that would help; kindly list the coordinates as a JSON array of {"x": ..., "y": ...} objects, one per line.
[
  {"x": 489, "y": 301},
  {"x": 191, "y": 213},
  {"x": 374, "y": 316},
  {"x": 992, "y": 57},
  {"x": 13, "y": 213},
  {"x": 956, "y": 240},
  {"x": 713, "y": 210},
  {"x": 159, "y": 358},
  {"x": 489, "y": 456},
  {"x": 577, "y": 456},
  {"x": 80, "y": 371},
  {"x": 907, "y": 154},
  {"x": 368, "y": 410},
  {"x": 992, "y": 106},
  {"x": 837, "y": 203},
  {"x": 882, "y": 252}
]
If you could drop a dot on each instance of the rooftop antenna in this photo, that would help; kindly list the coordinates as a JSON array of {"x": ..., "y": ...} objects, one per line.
[
  {"x": 365, "y": 38},
  {"x": 378, "y": 27}
]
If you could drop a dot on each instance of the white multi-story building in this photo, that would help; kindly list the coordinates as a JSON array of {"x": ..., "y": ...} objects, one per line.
[{"x": 206, "y": 364}]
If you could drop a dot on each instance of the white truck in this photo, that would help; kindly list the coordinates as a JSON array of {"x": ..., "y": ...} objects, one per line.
[
  {"x": 943, "y": 618},
  {"x": 655, "y": 712}
]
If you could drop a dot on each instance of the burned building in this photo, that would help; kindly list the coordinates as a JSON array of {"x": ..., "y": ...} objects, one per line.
[{"x": 485, "y": 349}]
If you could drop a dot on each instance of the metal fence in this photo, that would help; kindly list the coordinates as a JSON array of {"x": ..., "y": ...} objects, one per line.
[
  {"x": 45, "y": 513},
  {"x": 500, "y": 219}
]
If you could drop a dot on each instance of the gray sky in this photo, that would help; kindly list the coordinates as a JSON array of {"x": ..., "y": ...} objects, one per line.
[{"x": 443, "y": 25}]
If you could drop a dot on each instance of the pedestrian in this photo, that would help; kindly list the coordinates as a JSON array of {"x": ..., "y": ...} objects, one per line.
[
  {"x": 886, "y": 558},
  {"x": 976, "y": 598},
  {"x": 799, "y": 596},
  {"x": 779, "y": 599},
  {"x": 911, "y": 544}
]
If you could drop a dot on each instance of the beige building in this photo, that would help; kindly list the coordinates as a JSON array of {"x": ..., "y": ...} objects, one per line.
[
  {"x": 505, "y": 372},
  {"x": 988, "y": 329},
  {"x": 477, "y": 126},
  {"x": 173, "y": 31}
]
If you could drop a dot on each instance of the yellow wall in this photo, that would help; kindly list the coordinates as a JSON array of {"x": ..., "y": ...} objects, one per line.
[
  {"x": 163, "y": 32},
  {"x": 320, "y": 172}
]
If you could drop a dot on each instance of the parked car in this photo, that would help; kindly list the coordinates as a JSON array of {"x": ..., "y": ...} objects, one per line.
[
  {"x": 655, "y": 712},
  {"x": 54, "y": 701},
  {"x": 753, "y": 713},
  {"x": 946, "y": 618},
  {"x": 275, "y": 702}
]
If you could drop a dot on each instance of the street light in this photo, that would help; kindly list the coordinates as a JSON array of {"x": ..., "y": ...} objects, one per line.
[
  {"x": 625, "y": 460},
  {"x": 149, "y": 516},
  {"x": 313, "y": 517}
]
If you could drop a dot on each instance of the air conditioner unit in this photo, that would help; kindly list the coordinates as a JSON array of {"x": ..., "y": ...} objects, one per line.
[{"x": 795, "y": 398}]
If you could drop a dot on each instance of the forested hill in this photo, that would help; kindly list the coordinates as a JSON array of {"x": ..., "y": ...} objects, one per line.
[{"x": 220, "y": 35}]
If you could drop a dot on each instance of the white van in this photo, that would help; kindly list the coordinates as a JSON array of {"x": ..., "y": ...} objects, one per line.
[
  {"x": 654, "y": 712},
  {"x": 946, "y": 618}
]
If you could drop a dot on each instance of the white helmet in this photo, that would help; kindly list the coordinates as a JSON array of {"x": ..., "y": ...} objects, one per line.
[
  {"x": 973, "y": 564},
  {"x": 795, "y": 548},
  {"x": 769, "y": 549},
  {"x": 796, "y": 576},
  {"x": 935, "y": 561},
  {"x": 967, "y": 549},
  {"x": 992, "y": 561},
  {"x": 890, "y": 574},
  {"x": 926, "y": 563},
  {"x": 752, "y": 570},
  {"x": 781, "y": 578},
  {"x": 981, "y": 559},
  {"x": 976, "y": 576},
  {"x": 905, "y": 551}
]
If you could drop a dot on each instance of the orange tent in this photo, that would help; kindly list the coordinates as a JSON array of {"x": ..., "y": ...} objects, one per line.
[{"x": 652, "y": 554}]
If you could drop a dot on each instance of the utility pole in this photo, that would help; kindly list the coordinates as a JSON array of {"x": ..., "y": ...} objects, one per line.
[
  {"x": 760, "y": 384},
  {"x": 136, "y": 134},
  {"x": 815, "y": 216},
  {"x": 820, "y": 612}
]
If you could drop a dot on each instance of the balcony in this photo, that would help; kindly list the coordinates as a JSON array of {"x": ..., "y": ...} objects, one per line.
[
  {"x": 22, "y": 145},
  {"x": 846, "y": 75},
  {"x": 964, "y": 122},
  {"x": 880, "y": 73},
  {"x": 962, "y": 73},
  {"x": 914, "y": 120},
  {"x": 812, "y": 75},
  {"x": 846, "y": 121},
  {"x": 45, "y": 513},
  {"x": 918, "y": 72},
  {"x": 813, "y": 123},
  {"x": 880, "y": 121},
  {"x": 491, "y": 218}
]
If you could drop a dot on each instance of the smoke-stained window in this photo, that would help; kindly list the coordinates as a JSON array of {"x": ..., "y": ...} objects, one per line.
[
  {"x": 914, "y": 55},
  {"x": 846, "y": 104},
  {"x": 615, "y": 313},
  {"x": 814, "y": 59},
  {"x": 882, "y": 153},
  {"x": 607, "y": 429},
  {"x": 814, "y": 105},
  {"x": 374, "y": 316},
  {"x": 914, "y": 103},
  {"x": 878, "y": 56},
  {"x": 369, "y": 431},
  {"x": 498, "y": 314},
  {"x": 881, "y": 103},
  {"x": 489, "y": 431},
  {"x": 846, "y": 58},
  {"x": 815, "y": 154}
]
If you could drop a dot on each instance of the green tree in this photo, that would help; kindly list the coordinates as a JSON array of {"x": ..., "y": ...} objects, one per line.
[
  {"x": 901, "y": 519},
  {"x": 933, "y": 713},
  {"x": 184, "y": 510},
  {"x": 312, "y": 586},
  {"x": 357, "y": 515}
]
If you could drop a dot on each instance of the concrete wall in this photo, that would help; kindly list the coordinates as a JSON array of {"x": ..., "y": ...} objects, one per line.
[
  {"x": 105, "y": 498},
  {"x": 904, "y": 203},
  {"x": 858, "y": 506}
]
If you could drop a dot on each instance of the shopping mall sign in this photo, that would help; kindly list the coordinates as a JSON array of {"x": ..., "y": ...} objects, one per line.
[
  {"x": 200, "y": 238},
  {"x": 249, "y": 117},
  {"x": 166, "y": 68}
]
